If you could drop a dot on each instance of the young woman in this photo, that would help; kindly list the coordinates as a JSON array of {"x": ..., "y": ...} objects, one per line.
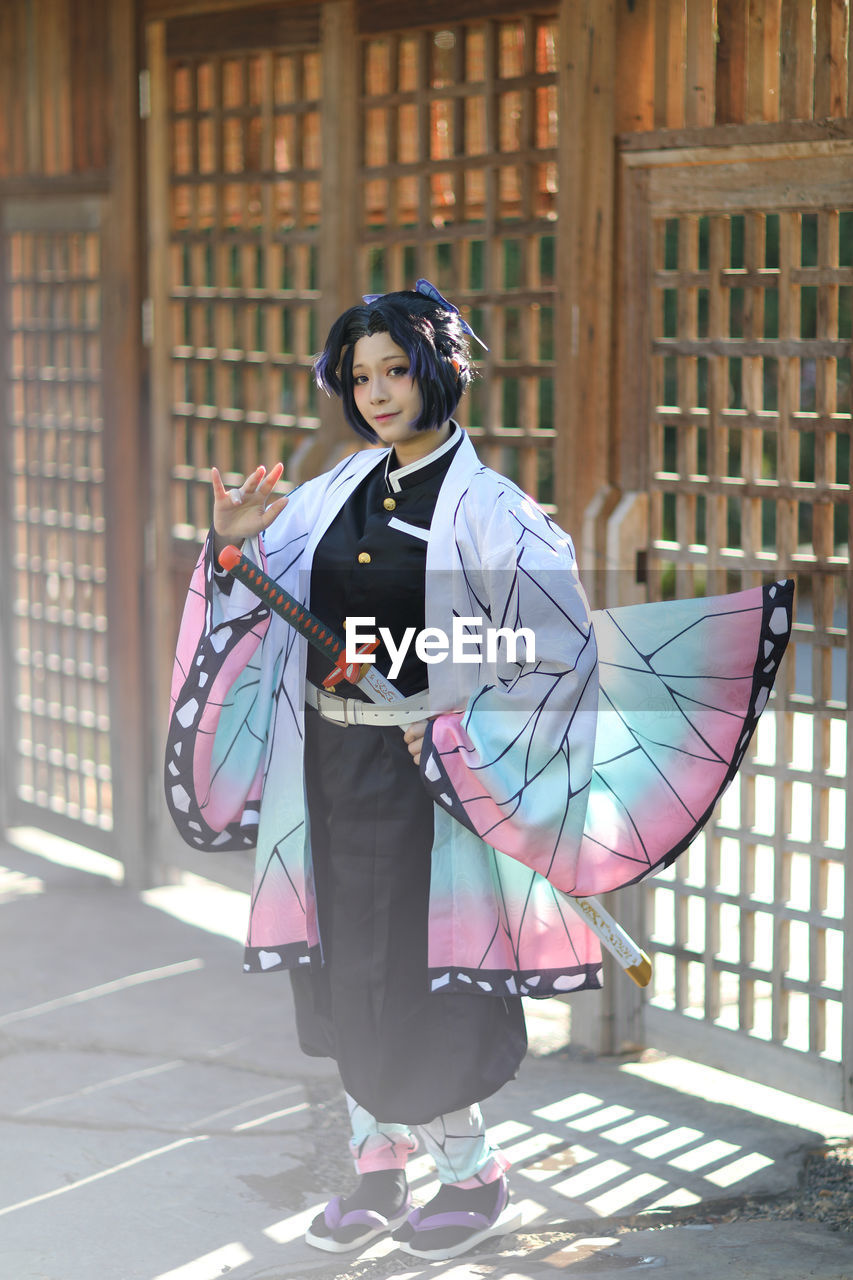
[{"x": 414, "y": 858}]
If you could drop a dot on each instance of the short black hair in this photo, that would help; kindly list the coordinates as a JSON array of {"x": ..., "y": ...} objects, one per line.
[{"x": 433, "y": 339}]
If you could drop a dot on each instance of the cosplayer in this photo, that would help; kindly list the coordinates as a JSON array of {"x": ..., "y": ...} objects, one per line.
[{"x": 415, "y": 859}]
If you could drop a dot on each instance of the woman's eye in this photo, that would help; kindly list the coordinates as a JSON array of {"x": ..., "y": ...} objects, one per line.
[{"x": 399, "y": 371}]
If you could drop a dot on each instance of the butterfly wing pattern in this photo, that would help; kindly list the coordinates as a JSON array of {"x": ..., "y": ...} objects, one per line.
[{"x": 681, "y": 686}]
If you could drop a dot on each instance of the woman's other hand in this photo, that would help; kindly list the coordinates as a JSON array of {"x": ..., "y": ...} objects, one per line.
[
  {"x": 414, "y": 737},
  {"x": 244, "y": 512}
]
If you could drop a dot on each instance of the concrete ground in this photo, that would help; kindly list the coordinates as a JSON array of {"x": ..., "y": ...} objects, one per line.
[{"x": 158, "y": 1121}]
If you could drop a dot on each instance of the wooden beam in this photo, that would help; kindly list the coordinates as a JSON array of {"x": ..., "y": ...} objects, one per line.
[
  {"x": 731, "y": 62},
  {"x": 699, "y": 96},
  {"x": 33, "y": 90},
  {"x": 670, "y": 63},
  {"x": 160, "y": 610},
  {"x": 849, "y": 111},
  {"x": 340, "y": 201},
  {"x": 698, "y": 184},
  {"x": 40, "y": 185},
  {"x": 635, "y": 73},
  {"x": 8, "y": 622},
  {"x": 796, "y": 61},
  {"x": 762, "y": 86},
  {"x": 11, "y": 94},
  {"x": 745, "y": 135},
  {"x": 830, "y": 88},
  {"x": 162, "y": 9},
  {"x": 340, "y": 194},
  {"x": 587, "y": 38},
  {"x": 129, "y": 693},
  {"x": 232, "y": 32},
  {"x": 633, "y": 339},
  {"x": 90, "y": 85},
  {"x": 376, "y": 16}
]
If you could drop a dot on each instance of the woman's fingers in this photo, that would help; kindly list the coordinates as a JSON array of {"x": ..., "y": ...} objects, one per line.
[
  {"x": 414, "y": 738},
  {"x": 272, "y": 478},
  {"x": 218, "y": 486},
  {"x": 259, "y": 481},
  {"x": 273, "y": 511},
  {"x": 252, "y": 480}
]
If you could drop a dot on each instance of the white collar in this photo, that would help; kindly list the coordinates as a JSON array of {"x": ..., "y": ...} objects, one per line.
[{"x": 392, "y": 478}]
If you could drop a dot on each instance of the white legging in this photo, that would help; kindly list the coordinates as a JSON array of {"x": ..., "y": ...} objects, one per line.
[{"x": 457, "y": 1143}]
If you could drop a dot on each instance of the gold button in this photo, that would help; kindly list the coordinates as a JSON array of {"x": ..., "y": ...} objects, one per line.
[
  {"x": 389, "y": 504},
  {"x": 364, "y": 557}
]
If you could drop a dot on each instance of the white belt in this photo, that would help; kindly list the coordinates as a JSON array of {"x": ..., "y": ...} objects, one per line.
[{"x": 345, "y": 711}]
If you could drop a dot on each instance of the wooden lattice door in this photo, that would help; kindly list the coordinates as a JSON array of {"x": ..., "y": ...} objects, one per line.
[
  {"x": 234, "y": 157},
  {"x": 458, "y": 183},
  {"x": 58, "y": 743},
  {"x": 741, "y": 282}
]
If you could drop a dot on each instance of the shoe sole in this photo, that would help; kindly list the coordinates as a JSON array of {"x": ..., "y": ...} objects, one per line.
[
  {"x": 508, "y": 1221},
  {"x": 330, "y": 1245}
]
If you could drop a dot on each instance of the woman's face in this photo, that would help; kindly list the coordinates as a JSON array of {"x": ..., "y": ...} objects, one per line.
[{"x": 385, "y": 395}]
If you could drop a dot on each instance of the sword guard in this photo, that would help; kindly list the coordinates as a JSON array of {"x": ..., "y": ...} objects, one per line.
[{"x": 351, "y": 671}]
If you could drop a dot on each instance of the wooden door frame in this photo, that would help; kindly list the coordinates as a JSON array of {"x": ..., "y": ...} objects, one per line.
[
  {"x": 685, "y": 180},
  {"x": 116, "y": 191}
]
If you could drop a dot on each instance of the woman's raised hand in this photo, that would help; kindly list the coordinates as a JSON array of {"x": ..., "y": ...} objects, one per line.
[{"x": 245, "y": 512}]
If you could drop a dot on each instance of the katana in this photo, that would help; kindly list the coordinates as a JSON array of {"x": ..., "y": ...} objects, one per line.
[{"x": 610, "y": 933}]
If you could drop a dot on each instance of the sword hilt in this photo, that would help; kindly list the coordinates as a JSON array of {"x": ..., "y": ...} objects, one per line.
[
  {"x": 297, "y": 616},
  {"x": 282, "y": 603}
]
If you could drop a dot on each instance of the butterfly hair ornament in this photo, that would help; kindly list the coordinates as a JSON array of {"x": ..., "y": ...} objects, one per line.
[{"x": 428, "y": 290}]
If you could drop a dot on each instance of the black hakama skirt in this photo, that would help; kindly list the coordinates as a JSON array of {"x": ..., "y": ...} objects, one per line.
[{"x": 405, "y": 1053}]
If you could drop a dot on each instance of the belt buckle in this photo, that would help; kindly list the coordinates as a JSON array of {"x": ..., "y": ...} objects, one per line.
[{"x": 337, "y": 700}]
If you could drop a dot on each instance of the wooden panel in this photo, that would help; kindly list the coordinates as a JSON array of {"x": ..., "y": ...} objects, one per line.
[
  {"x": 695, "y": 63},
  {"x": 55, "y": 91},
  {"x": 52, "y": 51},
  {"x": 91, "y": 92},
  {"x": 731, "y": 61},
  {"x": 816, "y": 1079},
  {"x": 771, "y": 184},
  {"x": 636, "y": 80},
  {"x": 796, "y": 61},
  {"x": 13, "y": 62},
  {"x": 31, "y": 89},
  {"x": 830, "y": 90},
  {"x": 244, "y": 29},
  {"x": 699, "y": 97},
  {"x": 670, "y": 63},
  {"x": 762, "y": 94}
]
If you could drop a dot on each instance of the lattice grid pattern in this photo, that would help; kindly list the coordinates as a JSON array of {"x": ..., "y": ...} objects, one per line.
[
  {"x": 245, "y": 210},
  {"x": 459, "y": 184},
  {"x": 753, "y": 316},
  {"x": 59, "y": 641}
]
